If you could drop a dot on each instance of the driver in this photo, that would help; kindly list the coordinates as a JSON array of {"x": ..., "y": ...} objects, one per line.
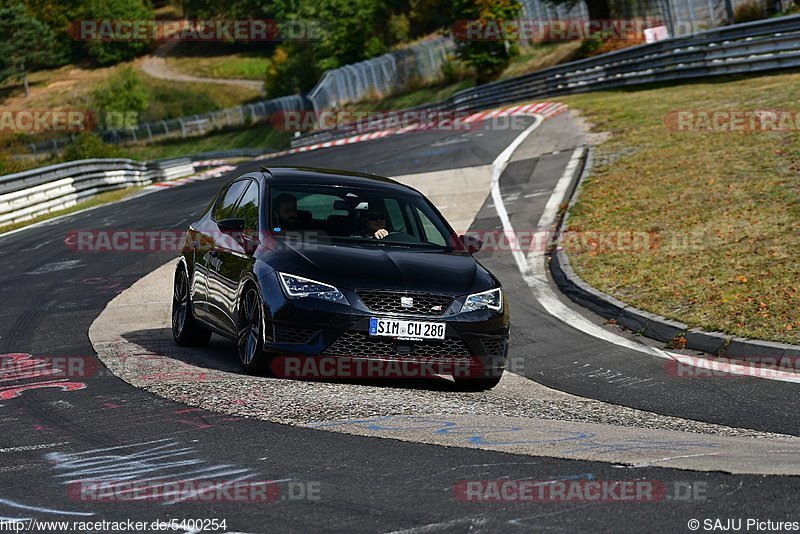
[{"x": 373, "y": 224}]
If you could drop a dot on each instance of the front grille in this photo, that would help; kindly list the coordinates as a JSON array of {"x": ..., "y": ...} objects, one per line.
[
  {"x": 290, "y": 334},
  {"x": 494, "y": 347},
  {"x": 360, "y": 344},
  {"x": 424, "y": 304}
]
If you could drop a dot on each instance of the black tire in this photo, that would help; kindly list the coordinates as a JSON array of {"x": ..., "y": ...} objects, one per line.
[
  {"x": 479, "y": 383},
  {"x": 250, "y": 332},
  {"x": 186, "y": 331}
]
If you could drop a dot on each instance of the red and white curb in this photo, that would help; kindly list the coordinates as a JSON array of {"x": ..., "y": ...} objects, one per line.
[
  {"x": 209, "y": 163},
  {"x": 205, "y": 175}
]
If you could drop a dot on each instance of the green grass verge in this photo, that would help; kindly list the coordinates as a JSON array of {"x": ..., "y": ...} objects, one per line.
[
  {"x": 540, "y": 56},
  {"x": 97, "y": 200},
  {"x": 725, "y": 207},
  {"x": 416, "y": 97},
  {"x": 259, "y": 136},
  {"x": 246, "y": 67},
  {"x": 170, "y": 100}
]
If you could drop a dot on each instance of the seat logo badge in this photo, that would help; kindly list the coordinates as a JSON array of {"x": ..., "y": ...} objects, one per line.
[
  {"x": 406, "y": 302},
  {"x": 436, "y": 308}
]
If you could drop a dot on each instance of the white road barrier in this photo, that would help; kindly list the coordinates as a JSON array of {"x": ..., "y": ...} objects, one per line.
[{"x": 28, "y": 194}]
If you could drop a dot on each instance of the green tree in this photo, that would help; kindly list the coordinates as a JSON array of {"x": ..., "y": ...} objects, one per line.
[
  {"x": 110, "y": 52},
  {"x": 351, "y": 31},
  {"x": 122, "y": 93},
  {"x": 27, "y": 43},
  {"x": 489, "y": 57}
]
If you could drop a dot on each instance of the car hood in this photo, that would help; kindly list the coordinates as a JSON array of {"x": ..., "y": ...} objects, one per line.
[{"x": 385, "y": 267}]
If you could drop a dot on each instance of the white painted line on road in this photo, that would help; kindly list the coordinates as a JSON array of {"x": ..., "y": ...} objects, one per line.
[
  {"x": 533, "y": 271},
  {"x": 498, "y": 166}
]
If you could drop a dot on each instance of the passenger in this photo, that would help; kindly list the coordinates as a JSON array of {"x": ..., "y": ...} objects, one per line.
[{"x": 285, "y": 209}]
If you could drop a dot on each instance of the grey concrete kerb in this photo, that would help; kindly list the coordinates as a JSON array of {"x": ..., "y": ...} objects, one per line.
[{"x": 646, "y": 323}]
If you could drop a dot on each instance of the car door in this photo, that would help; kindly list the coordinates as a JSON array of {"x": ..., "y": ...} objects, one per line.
[
  {"x": 233, "y": 256},
  {"x": 201, "y": 241},
  {"x": 216, "y": 290}
]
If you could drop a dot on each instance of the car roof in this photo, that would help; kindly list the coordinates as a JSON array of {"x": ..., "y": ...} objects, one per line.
[{"x": 312, "y": 175}]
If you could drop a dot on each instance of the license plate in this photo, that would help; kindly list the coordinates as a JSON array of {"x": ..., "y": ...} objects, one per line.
[{"x": 401, "y": 329}]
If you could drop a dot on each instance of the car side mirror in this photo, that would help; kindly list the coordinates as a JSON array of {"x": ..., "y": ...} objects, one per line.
[
  {"x": 471, "y": 243},
  {"x": 231, "y": 225}
]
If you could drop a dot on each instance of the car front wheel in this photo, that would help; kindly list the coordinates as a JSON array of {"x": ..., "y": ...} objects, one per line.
[{"x": 250, "y": 338}]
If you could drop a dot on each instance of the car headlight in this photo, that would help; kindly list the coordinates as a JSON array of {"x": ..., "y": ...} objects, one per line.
[
  {"x": 488, "y": 300},
  {"x": 298, "y": 287}
]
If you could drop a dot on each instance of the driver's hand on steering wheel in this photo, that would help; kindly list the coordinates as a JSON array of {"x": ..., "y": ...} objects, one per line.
[{"x": 380, "y": 234}]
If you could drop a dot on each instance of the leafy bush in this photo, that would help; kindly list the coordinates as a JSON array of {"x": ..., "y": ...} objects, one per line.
[
  {"x": 454, "y": 71},
  {"x": 123, "y": 92},
  {"x": 87, "y": 145},
  {"x": 399, "y": 28},
  {"x": 749, "y": 11}
]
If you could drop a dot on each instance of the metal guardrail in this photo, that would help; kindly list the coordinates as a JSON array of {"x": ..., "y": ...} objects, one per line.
[
  {"x": 741, "y": 49},
  {"x": 764, "y": 45},
  {"x": 187, "y": 126},
  {"x": 28, "y": 194}
]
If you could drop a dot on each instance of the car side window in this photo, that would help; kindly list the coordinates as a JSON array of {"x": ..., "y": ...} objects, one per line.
[
  {"x": 320, "y": 206},
  {"x": 248, "y": 207},
  {"x": 395, "y": 215},
  {"x": 432, "y": 234},
  {"x": 225, "y": 208}
]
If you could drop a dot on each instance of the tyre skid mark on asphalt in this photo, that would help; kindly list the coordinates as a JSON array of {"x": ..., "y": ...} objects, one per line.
[{"x": 158, "y": 461}]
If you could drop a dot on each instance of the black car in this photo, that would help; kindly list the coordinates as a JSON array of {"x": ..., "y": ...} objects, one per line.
[{"x": 323, "y": 263}]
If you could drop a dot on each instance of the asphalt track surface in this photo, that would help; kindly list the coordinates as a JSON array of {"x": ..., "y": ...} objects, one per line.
[{"x": 50, "y": 296}]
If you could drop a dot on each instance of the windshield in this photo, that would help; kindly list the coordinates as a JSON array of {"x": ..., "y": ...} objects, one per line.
[{"x": 356, "y": 215}]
